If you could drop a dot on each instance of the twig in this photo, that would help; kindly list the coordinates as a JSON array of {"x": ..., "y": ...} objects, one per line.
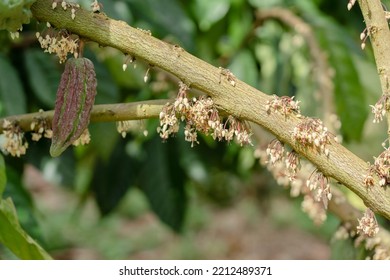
[{"x": 100, "y": 113}]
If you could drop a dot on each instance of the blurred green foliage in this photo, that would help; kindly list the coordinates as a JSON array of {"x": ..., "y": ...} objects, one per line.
[
  {"x": 14, "y": 13},
  {"x": 271, "y": 57}
]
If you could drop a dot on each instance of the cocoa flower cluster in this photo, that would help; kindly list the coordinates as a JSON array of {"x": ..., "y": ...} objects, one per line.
[
  {"x": 313, "y": 209},
  {"x": 84, "y": 139},
  {"x": 14, "y": 143},
  {"x": 13, "y": 139},
  {"x": 200, "y": 115},
  {"x": 319, "y": 185},
  {"x": 368, "y": 225},
  {"x": 59, "y": 43},
  {"x": 380, "y": 108},
  {"x": 375, "y": 245},
  {"x": 381, "y": 167},
  {"x": 276, "y": 153},
  {"x": 288, "y": 170},
  {"x": 284, "y": 105},
  {"x": 124, "y": 127},
  {"x": 312, "y": 133}
]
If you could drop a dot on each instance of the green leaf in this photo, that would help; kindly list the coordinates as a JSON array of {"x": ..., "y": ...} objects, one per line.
[
  {"x": 11, "y": 90},
  {"x": 107, "y": 89},
  {"x": 3, "y": 176},
  {"x": 159, "y": 15},
  {"x": 113, "y": 178},
  {"x": 350, "y": 94},
  {"x": 15, "y": 238},
  {"x": 104, "y": 138},
  {"x": 131, "y": 78},
  {"x": 43, "y": 75},
  {"x": 266, "y": 4},
  {"x": 22, "y": 199},
  {"x": 350, "y": 97},
  {"x": 162, "y": 180},
  {"x": 239, "y": 20},
  {"x": 244, "y": 67},
  {"x": 15, "y": 13},
  {"x": 343, "y": 249},
  {"x": 209, "y": 12}
]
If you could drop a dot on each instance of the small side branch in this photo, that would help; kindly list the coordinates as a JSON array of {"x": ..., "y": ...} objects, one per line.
[{"x": 100, "y": 113}]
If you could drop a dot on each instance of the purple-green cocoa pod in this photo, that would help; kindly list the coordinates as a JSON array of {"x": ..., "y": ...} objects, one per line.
[{"x": 75, "y": 98}]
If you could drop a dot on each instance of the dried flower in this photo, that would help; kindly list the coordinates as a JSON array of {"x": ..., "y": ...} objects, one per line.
[
  {"x": 368, "y": 178},
  {"x": 229, "y": 76},
  {"x": 368, "y": 225},
  {"x": 284, "y": 105},
  {"x": 382, "y": 167},
  {"x": 380, "y": 108}
]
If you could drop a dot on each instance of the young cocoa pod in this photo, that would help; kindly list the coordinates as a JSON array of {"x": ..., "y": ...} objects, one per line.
[{"x": 75, "y": 97}]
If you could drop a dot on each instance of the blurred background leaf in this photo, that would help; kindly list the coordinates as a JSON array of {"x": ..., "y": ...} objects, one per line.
[
  {"x": 162, "y": 180},
  {"x": 15, "y": 13},
  {"x": 15, "y": 238},
  {"x": 3, "y": 176},
  {"x": 44, "y": 76},
  {"x": 13, "y": 98}
]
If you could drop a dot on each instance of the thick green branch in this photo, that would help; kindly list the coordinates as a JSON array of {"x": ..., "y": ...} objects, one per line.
[
  {"x": 239, "y": 99},
  {"x": 100, "y": 113}
]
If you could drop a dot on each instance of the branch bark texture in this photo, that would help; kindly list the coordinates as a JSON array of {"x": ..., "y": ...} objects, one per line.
[
  {"x": 378, "y": 29},
  {"x": 100, "y": 113},
  {"x": 240, "y": 99}
]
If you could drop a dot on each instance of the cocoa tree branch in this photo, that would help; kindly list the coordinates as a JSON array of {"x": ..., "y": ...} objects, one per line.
[
  {"x": 238, "y": 99},
  {"x": 378, "y": 30},
  {"x": 100, "y": 113}
]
